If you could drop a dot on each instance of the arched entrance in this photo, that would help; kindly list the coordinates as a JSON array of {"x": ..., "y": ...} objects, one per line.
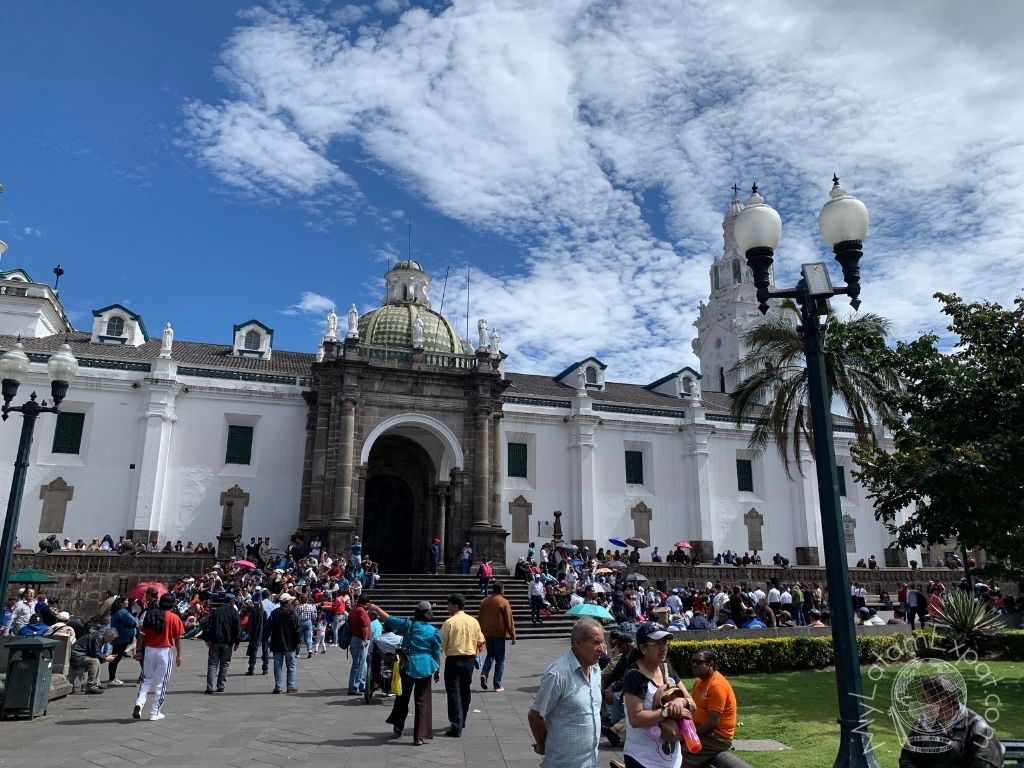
[{"x": 395, "y": 510}]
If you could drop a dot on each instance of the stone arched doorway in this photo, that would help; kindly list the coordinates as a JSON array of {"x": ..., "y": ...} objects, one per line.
[{"x": 396, "y": 517}]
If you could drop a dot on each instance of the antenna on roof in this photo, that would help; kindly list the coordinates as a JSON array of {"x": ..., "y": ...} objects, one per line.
[{"x": 444, "y": 289}]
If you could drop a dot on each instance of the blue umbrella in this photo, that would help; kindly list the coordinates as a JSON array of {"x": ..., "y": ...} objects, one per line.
[
  {"x": 618, "y": 542},
  {"x": 590, "y": 609},
  {"x": 577, "y": 563}
]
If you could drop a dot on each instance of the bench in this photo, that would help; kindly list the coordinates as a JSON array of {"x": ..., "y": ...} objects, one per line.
[{"x": 1014, "y": 752}]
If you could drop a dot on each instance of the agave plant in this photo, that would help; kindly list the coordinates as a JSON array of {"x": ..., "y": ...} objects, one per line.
[{"x": 967, "y": 620}]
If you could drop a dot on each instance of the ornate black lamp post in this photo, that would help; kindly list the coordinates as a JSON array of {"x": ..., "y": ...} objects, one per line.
[
  {"x": 14, "y": 365},
  {"x": 844, "y": 224}
]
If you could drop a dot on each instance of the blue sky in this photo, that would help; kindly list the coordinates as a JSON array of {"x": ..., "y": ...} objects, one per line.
[{"x": 206, "y": 163}]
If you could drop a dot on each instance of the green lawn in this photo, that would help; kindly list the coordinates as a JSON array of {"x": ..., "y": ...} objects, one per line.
[{"x": 800, "y": 709}]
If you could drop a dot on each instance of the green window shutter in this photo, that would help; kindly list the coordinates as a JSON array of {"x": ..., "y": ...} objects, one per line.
[
  {"x": 517, "y": 453},
  {"x": 67, "y": 435},
  {"x": 239, "y": 445},
  {"x": 634, "y": 468},
  {"x": 745, "y": 475},
  {"x": 841, "y": 480}
]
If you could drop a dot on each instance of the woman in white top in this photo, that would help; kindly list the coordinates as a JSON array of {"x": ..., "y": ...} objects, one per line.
[{"x": 641, "y": 750}]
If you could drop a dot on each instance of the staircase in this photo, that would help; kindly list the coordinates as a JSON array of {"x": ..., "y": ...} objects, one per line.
[{"x": 398, "y": 593}]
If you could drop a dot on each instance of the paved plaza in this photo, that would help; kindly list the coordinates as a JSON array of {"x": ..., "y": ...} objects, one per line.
[{"x": 247, "y": 726}]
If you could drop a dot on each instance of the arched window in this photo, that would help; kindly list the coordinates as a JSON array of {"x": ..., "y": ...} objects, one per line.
[
  {"x": 715, "y": 285},
  {"x": 405, "y": 292},
  {"x": 252, "y": 340},
  {"x": 721, "y": 380},
  {"x": 115, "y": 326},
  {"x": 736, "y": 274},
  {"x": 591, "y": 375},
  {"x": 687, "y": 385}
]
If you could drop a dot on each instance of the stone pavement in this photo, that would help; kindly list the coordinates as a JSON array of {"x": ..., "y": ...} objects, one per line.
[{"x": 248, "y": 727}]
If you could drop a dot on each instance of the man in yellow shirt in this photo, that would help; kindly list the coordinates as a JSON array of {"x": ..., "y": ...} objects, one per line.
[{"x": 461, "y": 641}]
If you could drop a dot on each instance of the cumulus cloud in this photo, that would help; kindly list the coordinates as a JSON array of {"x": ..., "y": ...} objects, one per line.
[
  {"x": 310, "y": 303},
  {"x": 601, "y": 138}
]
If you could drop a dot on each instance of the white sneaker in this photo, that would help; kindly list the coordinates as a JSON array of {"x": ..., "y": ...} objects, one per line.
[
  {"x": 157, "y": 716},
  {"x": 114, "y": 683}
]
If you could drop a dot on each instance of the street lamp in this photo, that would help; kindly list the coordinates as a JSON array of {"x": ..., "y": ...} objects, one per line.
[
  {"x": 843, "y": 222},
  {"x": 14, "y": 365}
]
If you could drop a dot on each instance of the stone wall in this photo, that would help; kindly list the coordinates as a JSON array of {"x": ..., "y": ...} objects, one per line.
[
  {"x": 874, "y": 581},
  {"x": 82, "y": 578}
]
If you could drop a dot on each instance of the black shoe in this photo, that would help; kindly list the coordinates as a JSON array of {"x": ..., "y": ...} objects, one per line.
[
  {"x": 611, "y": 735},
  {"x": 94, "y": 689},
  {"x": 208, "y": 691},
  {"x": 264, "y": 672},
  {"x": 453, "y": 732},
  {"x": 250, "y": 673},
  {"x": 276, "y": 690},
  {"x": 137, "y": 713},
  {"x": 220, "y": 690}
]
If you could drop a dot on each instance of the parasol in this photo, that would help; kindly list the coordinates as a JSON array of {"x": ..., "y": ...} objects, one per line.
[
  {"x": 636, "y": 541},
  {"x": 138, "y": 592},
  {"x": 618, "y": 542},
  {"x": 683, "y": 544},
  {"x": 604, "y": 570},
  {"x": 243, "y": 564},
  {"x": 636, "y": 577},
  {"x": 590, "y": 609},
  {"x": 617, "y": 565}
]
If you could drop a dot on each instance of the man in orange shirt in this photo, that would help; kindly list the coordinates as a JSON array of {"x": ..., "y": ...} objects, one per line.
[{"x": 713, "y": 706}]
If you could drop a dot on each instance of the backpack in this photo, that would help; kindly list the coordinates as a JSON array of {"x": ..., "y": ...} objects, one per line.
[{"x": 344, "y": 639}]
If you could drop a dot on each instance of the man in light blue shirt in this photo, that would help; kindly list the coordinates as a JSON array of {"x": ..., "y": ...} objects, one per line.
[{"x": 565, "y": 718}]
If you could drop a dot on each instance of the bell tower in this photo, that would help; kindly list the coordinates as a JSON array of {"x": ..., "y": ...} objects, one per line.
[{"x": 731, "y": 308}]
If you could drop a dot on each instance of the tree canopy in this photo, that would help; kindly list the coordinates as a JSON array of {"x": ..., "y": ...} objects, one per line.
[
  {"x": 776, "y": 372},
  {"x": 958, "y": 457}
]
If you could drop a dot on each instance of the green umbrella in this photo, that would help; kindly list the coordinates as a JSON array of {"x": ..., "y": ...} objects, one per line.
[
  {"x": 30, "y": 576},
  {"x": 590, "y": 609}
]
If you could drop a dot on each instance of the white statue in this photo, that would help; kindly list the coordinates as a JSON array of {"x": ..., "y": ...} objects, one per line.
[
  {"x": 481, "y": 328},
  {"x": 581, "y": 380},
  {"x": 331, "y": 334},
  {"x": 495, "y": 338},
  {"x": 417, "y": 333},
  {"x": 320, "y": 353},
  {"x": 165, "y": 348},
  {"x": 695, "y": 391},
  {"x": 353, "y": 322}
]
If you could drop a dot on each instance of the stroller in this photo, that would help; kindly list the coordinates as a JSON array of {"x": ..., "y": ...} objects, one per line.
[{"x": 380, "y": 662}]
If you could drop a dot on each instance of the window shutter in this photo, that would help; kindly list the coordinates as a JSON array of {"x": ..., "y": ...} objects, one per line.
[
  {"x": 745, "y": 475},
  {"x": 67, "y": 435},
  {"x": 517, "y": 454},
  {"x": 634, "y": 468},
  {"x": 239, "y": 449}
]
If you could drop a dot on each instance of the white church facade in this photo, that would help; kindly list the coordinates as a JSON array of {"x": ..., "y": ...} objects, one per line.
[{"x": 398, "y": 430}]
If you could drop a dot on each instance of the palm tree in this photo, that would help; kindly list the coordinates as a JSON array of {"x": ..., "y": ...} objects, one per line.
[{"x": 775, "y": 369}]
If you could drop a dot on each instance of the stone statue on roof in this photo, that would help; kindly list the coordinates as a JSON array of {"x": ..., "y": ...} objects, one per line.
[
  {"x": 331, "y": 333},
  {"x": 495, "y": 338},
  {"x": 168, "y": 340},
  {"x": 481, "y": 328},
  {"x": 417, "y": 333},
  {"x": 320, "y": 353},
  {"x": 353, "y": 322}
]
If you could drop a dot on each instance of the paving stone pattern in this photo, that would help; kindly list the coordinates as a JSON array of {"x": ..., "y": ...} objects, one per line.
[{"x": 248, "y": 727}]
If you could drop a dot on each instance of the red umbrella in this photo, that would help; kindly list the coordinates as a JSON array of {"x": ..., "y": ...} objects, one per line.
[
  {"x": 243, "y": 564},
  {"x": 683, "y": 544},
  {"x": 138, "y": 592}
]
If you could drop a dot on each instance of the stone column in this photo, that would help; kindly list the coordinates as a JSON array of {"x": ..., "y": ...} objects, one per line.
[
  {"x": 807, "y": 521},
  {"x": 697, "y": 467},
  {"x": 482, "y": 470},
  {"x": 343, "y": 492},
  {"x": 159, "y": 417},
  {"x": 442, "y": 522},
  {"x": 307, "y": 461},
  {"x": 316, "y": 486},
  {"x": 496, "y": 472}
]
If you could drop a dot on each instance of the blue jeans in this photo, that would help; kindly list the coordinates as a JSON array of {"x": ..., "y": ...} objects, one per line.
[
  {"x": 306, "y": 628},
  {"x": 286, "y": 658},
  {"x": 798, "y": 614},
  {"x": 496, "y": 654},
  {"x": 357, "y": 675},
  {"x": 464, "y": 566},
  {"x": 339, "y": 618}
]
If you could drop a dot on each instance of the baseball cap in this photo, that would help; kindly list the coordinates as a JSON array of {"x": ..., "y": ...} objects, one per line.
[
  {"x": 284, "y": 597},
  {"x": 63, "y": 616},
  {"x": 651, "y": 631},
  {"x": 864, "y": 611}
]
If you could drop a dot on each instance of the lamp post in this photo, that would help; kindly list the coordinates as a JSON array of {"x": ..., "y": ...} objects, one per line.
[
  {"x": 843, "y": 222},
  {"x": 14, "y": 365}
]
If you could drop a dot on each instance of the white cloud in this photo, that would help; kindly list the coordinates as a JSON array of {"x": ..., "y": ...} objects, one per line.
[
  {"x": 555, "y": 125},
  {"x": 310, "y": 303}
]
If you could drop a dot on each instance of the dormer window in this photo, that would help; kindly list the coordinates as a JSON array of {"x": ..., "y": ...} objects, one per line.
[
  {"x": 252, "y": 339},
  {"x": 117, "y": 324},
  {"x": 588, "y": 373},
  {"x": 591, "y": 374}
]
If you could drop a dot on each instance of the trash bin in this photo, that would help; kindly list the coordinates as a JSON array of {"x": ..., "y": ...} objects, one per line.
[{"x": 29, "y": 669}]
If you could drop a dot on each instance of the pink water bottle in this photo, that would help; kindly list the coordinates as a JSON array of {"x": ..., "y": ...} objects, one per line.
[{"x": 690, "y": 737}]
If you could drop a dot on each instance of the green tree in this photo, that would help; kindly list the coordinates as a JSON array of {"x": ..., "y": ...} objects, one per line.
[
  {"x": 958, "y": 450},
  {"x": 776, "y": 373}
]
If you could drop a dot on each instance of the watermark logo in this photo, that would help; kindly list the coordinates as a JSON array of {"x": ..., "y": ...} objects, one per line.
[{"x": 929, "y": 699}]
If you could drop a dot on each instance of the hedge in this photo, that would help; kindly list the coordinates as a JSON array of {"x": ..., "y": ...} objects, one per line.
[
  {"x": 776, "y": 654},
  {"x": 1007, "y": 645}
]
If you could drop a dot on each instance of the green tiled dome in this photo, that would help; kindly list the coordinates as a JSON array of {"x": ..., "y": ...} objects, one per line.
[{"x": 391, "y": 326}]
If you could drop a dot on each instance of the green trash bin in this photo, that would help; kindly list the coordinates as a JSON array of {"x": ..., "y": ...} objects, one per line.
[{"x": 29, "y": 670}]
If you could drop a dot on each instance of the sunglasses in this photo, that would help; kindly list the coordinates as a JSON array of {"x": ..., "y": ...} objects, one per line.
[{"x": 697, "y": 662}]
